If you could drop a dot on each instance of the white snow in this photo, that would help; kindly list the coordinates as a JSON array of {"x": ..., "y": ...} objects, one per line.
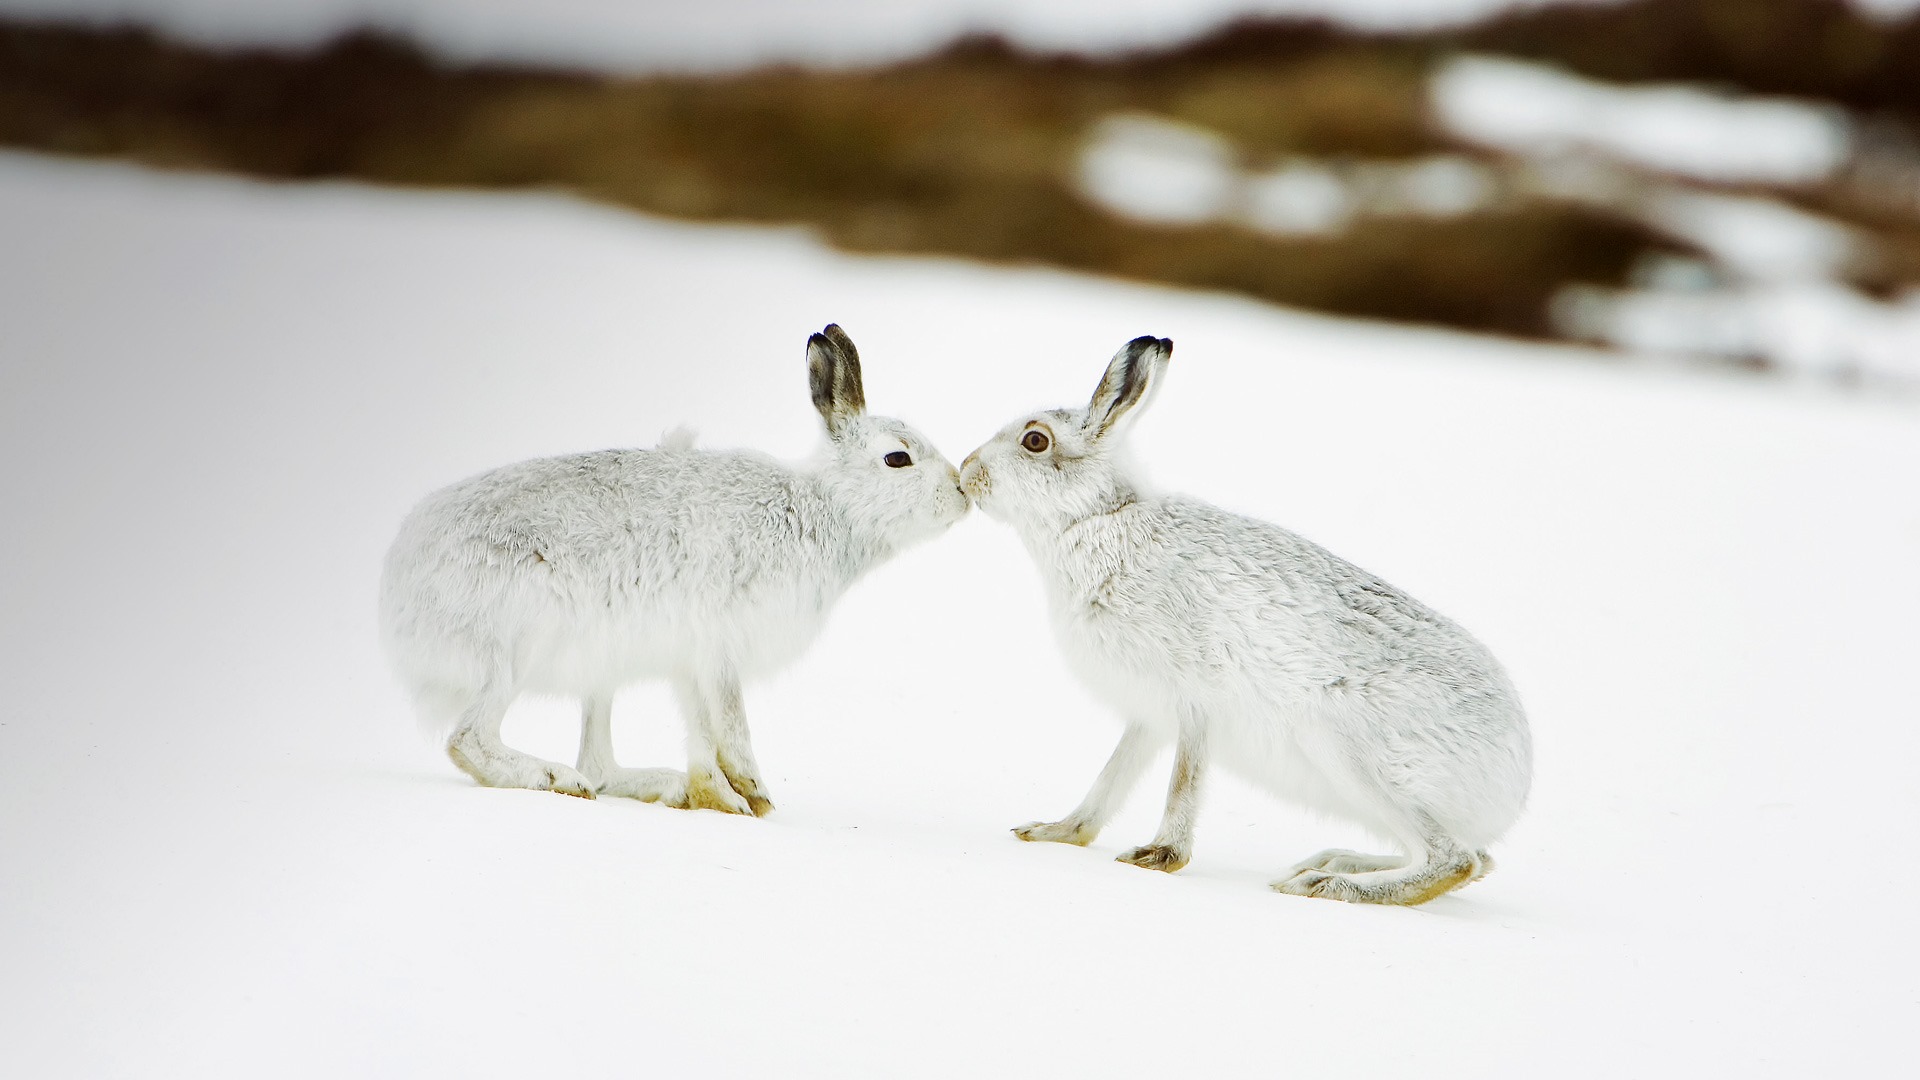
[
  {"x": 1157, "y": 170},
  {"x": 1775, "y": 289},
  {"x": 227, "y": 853},
  {"x": 1163, "y": 171},
  {"x": 1536, "y": 110},
  {"x": 1298, "y": 198},
  {"x": 1759, "y": 239},
  {"x": 1810, "y": 329}
]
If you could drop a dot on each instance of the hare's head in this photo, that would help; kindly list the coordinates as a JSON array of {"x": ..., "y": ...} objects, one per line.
[
  {"x": 885, "y": 474},
  {"x": 1059, "y": 465}
]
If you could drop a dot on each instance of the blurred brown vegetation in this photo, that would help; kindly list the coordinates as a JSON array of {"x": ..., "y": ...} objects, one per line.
[{"x": 973, "y": 151}]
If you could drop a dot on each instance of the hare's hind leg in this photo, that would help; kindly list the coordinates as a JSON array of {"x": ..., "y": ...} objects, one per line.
[
  {"x": 1138, "y": 745},
  {"x": 475, "y": 746},
  {"x": 597, "y": 764},
  {"x": 719, "y": 761},
  {"x": 1441, "y": 867}
]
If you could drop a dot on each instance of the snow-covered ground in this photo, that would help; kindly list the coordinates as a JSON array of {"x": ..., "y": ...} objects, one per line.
[{"x": 225, "y": 851}]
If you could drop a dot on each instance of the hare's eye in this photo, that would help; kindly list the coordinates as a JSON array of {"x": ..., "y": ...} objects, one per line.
[
  {"x": 898, "y": 459},
  {"x": 1035, "y": 441}
]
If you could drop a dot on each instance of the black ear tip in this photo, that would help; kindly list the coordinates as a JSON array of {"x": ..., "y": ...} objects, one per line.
[
  {"x": 819, "y": 341},
  {"x": 832, "y": 328},
  {"x": 1141, "y": 346}
]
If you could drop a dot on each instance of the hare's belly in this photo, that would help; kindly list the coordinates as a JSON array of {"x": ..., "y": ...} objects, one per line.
[
  {"x": 574, "y": 652},
  {"x": 1120, "y": 664}
]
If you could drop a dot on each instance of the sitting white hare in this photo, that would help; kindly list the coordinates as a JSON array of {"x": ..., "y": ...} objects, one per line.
[
  {"x": 578, "y": 575},
  {"x": 1243, "y": 643}
]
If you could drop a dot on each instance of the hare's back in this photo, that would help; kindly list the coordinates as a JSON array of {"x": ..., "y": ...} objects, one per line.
[
  {"x": 605, "y": 529},
  {"x": 584, "y": 504},
  {"x": 1279, "y": 601}
]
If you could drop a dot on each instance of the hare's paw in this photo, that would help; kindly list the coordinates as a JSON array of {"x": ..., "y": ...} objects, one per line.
[
  {"x": 747, "y": 785},
  {"x": 1057, "y": 832},
  {"x": 501, "y": 767},
  {"x": 668, "y": 786},
  {"x": 1157, "y": 857},
  {"x": 1342, "y": 861},
  {"x": 568, "y": 781},
  {"x": 1404, "y": 884},
  {"x": 1317, "y": 883},
  {"x": 706, "y": 791}
]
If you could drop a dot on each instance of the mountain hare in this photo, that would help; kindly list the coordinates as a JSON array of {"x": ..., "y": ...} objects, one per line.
[
  {"x": 1239, "y": 641},
  {"x": 577, "y": 575}
]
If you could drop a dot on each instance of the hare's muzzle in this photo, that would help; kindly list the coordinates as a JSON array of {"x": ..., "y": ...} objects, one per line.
[{"x": 973, "y": 477}]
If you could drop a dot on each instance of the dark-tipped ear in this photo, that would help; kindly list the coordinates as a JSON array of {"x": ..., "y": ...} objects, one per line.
[
  {"x": 1131, "y": 379},
  {"x": 833, "y": 371}
]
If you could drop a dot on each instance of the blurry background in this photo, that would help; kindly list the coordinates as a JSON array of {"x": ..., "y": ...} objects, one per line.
[
  {"x": 1730, "y": 182},
  {"x": 1592, "y": 325}
]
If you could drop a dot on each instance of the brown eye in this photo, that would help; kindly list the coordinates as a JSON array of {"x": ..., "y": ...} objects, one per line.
[
  {"x": 1035, "y": 441},
  {"x": 898, "y": 460}
]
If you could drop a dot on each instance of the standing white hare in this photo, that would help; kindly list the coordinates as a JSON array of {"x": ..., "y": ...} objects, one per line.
[
  {"x": 578, "y": 575},
  {"x": 1243, "y": 643}
]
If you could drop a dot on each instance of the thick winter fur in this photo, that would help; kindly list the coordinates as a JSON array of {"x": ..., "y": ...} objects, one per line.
[
  {"x": 1241, "y": 643},
  {"x": 578, "y": 575}
]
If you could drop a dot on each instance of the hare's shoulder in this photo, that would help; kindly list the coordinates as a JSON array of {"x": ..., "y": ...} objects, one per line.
[
  {"x": 1211, "y": 538},
  {"x": 1209, "y": 542}
]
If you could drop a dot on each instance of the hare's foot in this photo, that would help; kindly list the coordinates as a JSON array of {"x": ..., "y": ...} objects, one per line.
[
  {"x": 1058, "y": 832},
  {"x": 758, "y": 803},
  {"x": 1162, "y": 857},
  {"x": 747, "y": 784},
  {"x": 1406, "y": 885},
  {"x": 1342, "y": 861},
  {"x": 667, "y": 786},
  {"x": 496, "y": 765},
  {"x": 710, "y": 791},
  {"x": 1485, "y": 867}
]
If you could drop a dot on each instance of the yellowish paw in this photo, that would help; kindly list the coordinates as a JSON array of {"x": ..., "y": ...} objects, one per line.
[
  {"x": 708, "y": 792},
  {"x": 1156, "y": 857},
  {"x": 1056, "y": 832}
]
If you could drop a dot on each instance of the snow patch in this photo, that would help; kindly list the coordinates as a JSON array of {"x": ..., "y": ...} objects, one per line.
[
  {"x": 1156, "y": 170},
  {"x": 1536, "y": 110}
]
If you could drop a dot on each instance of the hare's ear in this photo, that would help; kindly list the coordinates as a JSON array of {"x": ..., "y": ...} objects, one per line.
[
  {"x": 833, "y": 370},
  {"x": 1131, "y": 379}
]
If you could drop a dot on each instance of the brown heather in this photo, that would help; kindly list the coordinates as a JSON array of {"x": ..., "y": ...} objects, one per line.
[{"x": 971, "y": 152}]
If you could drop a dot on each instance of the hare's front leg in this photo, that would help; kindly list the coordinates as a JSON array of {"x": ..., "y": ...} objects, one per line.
[
  {"x": 597, "y": 764},
  {"x": 733, "y": 748},
  {"x": 721, "y": 774},
  {"x": 1137, "y": 746},
  {"x": 1172, "y": 847},
  {"x": 474, "y": 744}
]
